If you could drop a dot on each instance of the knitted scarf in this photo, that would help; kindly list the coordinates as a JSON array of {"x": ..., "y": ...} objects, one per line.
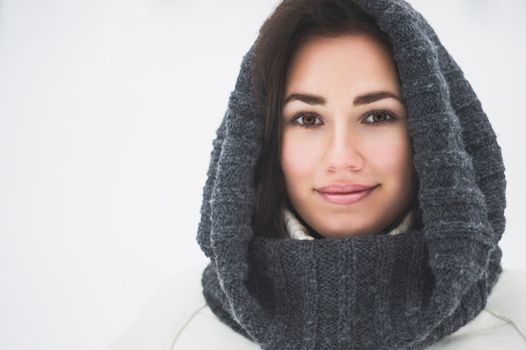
[{"x": 403, "y": 291}]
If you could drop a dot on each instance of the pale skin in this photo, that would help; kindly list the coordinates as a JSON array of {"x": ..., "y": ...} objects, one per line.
[{"x": 342, "y": 137}]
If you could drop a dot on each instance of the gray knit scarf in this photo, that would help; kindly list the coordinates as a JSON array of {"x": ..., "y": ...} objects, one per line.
[{"x": 403, "y": 291}]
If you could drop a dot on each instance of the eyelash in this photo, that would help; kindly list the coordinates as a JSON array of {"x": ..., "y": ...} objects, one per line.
[{"x": 296, "y": 117}]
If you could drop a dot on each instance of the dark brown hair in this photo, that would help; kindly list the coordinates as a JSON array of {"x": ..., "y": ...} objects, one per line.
[{"x": 292, "y": 22}]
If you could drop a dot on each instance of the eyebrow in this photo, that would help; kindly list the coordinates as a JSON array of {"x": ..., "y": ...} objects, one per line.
[{"x": 359, "y": 100}]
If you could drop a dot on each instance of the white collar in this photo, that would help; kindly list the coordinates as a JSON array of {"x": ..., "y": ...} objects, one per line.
[{"x": 298, "y": 231}]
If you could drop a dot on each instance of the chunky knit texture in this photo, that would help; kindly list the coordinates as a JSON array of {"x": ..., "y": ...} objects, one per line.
[{"x": 403, "y": 291}]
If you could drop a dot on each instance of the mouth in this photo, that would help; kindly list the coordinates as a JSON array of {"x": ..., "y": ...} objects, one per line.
[{"x": 346, "y": 197}]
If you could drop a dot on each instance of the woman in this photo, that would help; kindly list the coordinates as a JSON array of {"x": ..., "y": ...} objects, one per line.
[
  {"x": 356, "y": 193},
  {"x": 360, "y": 131}
]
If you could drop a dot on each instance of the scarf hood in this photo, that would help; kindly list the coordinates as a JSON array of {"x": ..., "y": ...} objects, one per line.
[{"x": 403, "y": 291}]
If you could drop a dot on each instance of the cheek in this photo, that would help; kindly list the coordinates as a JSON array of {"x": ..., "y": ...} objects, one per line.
[
  {"x": 391, "y": 154},
  {"x": 298, "y": 158}
]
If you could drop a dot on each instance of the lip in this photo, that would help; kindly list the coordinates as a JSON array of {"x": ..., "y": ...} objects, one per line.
[{"x": 345, "y": 194}]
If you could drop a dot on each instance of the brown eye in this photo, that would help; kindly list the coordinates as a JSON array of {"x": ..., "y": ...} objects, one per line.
[
  {"x": 309, "y": 120},
  {"x": 379, "y": 117},
  {"x": 306, "y": 120}
]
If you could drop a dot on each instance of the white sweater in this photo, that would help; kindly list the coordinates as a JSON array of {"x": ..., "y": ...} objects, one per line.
[
  {"x": 297, "y": 231},
  {"x": 178, "y": 318}
]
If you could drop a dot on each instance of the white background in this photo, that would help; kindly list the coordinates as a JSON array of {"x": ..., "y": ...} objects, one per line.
[{"x": 107, "y": 114}]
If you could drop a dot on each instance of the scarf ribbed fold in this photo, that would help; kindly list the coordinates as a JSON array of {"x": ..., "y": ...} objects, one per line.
[{"x": 403, "y": 291}]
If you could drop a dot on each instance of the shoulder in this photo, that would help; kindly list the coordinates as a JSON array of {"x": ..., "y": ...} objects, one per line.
[
  {"x": 205, "y": 331},
  {"x": 178, "y": 318},
  {"x": 507, "y": 298},
  {"x": 156, "y": 325},
  {"x": 502, "y": 323}
]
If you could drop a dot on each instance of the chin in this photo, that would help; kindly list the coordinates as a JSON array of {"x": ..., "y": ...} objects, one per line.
[{"x": 342, "y": 233}]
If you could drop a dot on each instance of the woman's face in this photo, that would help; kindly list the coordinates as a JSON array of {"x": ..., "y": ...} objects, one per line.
[{"x": 345, "y": 126}]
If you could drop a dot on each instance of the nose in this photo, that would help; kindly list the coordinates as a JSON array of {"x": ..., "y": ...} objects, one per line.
[{"x": 344, "y": 151}]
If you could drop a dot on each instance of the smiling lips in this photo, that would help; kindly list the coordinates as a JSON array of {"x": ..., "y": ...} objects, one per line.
[{"x": 345, "y": 194}]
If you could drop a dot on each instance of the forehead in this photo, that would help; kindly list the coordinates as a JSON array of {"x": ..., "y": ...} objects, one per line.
[{"x": 351, "y": 59}]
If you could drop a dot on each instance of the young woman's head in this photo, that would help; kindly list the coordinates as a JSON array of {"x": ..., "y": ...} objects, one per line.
[{"x": 336, "y": 148}]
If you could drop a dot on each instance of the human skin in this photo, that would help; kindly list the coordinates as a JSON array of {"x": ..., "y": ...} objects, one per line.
[{"x": 344, "y": 141}]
